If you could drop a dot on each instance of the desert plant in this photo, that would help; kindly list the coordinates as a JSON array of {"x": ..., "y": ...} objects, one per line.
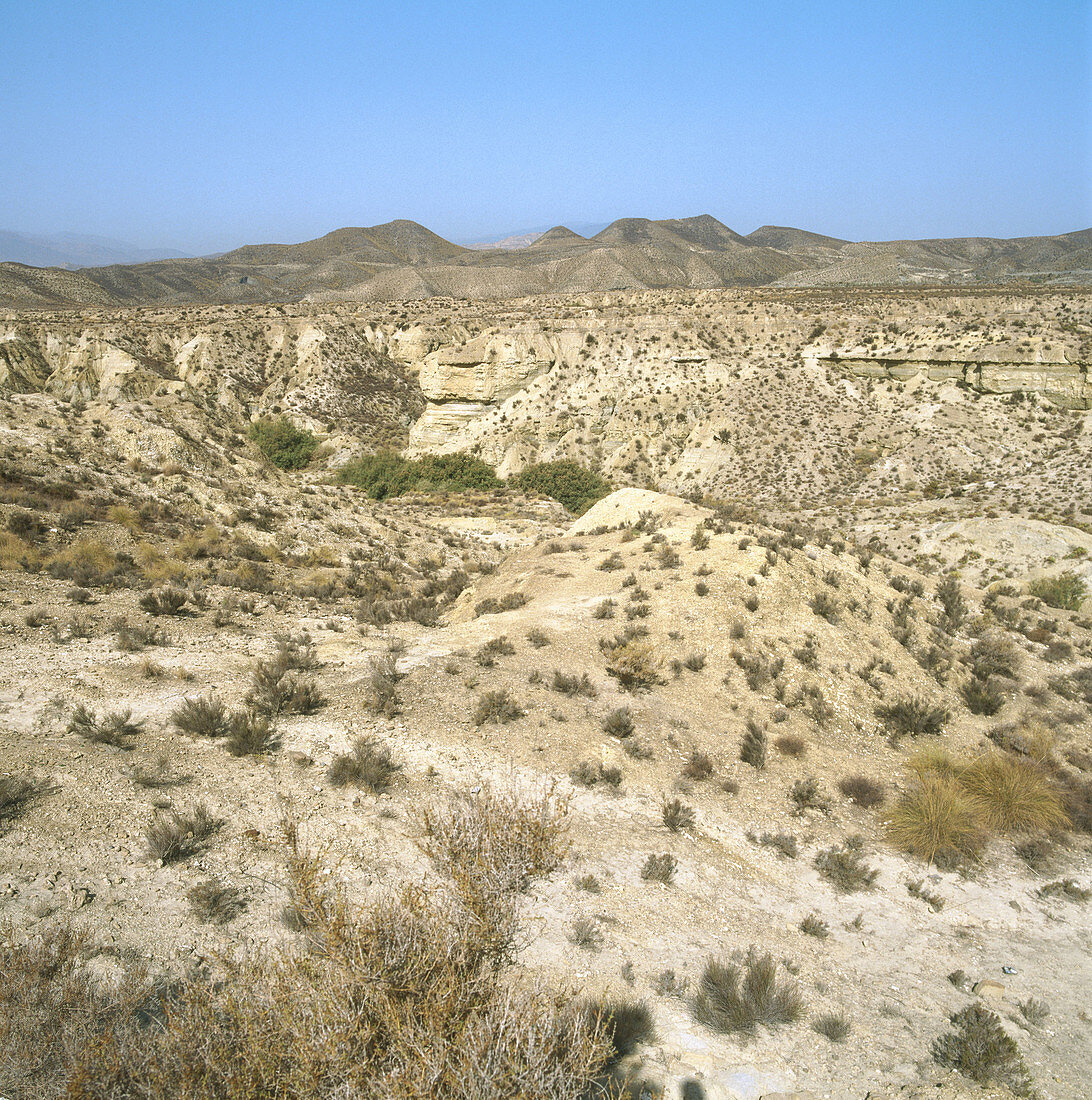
[
  {"x": 215, "y": 902},
  {"x": 845, "y": 868},
  {"x": 634, "y": 664},
  {"x": 585, "y": 933},
  {"x": 807, "y": 795},
  {"x": 783, "y": 843},
  {"x": 790, "y": 745},
  {"x": 814, "y": 925},
  {"x": 174, "y": 835},
  {"x": 916, "y": 888},
  {"x": 1066, "y": 591},
  {"x": 979, "y": 1048},
  {"x": 203, "y": 716},
  {"x": 619, "y": 723},
  {"x": 1015, "y": 795},
  {"x": 574, "y": 486},
  {"x": 937, "y": 820},
  {"x": 285, "y": 445},
  {"x": 538, "y": 638},
  {"x": 589, "y": 773},
  {"x": 250, "y": 734},
  {"x": 677, "y": 815},
  {"x": 834, "y": 1026},
  {"x": 951, "y": 599},
  {"x": 496, "y": 707},
  {"x": 570, "y": 684},
  {"x": 1034, "y": 1011},
  {"x": 488, "y": 652},
  {"x": 913, "y": 717},
  {"x": 699, "y": 765},
  {"x": 276, "y": 687},
  {"x": 752, "y": 749},
  {"x": 862, "y": 790},
  {"x": 981, "y": 696},
  {"x": 604, "y": 609},
  {"x": 1065, "y": 888},
  {"x": 166, "y": 601},
  {"x": 625, "y": 1024},
  {"x": 368, "y": 763},
  {"x": 825, "y": 606},
  {"x": 116, "y": 729},
  {"x": 17, "y": 792},
  {"x": 381, "y": 687},
  {"x": 660, "y": 868},
  {"x": 735, "y": 998}
]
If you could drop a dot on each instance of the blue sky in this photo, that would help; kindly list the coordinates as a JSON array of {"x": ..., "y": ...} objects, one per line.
[{"x": 204, "y": 125}]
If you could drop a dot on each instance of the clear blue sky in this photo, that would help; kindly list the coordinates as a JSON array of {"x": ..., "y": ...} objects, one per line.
[{"x": 203, "y": 125}]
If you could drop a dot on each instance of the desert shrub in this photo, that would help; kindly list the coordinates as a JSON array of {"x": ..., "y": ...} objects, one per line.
[
  {"x": 571, "y": 684},
  {"x": 157, "y": 774},
  {"x": 660, "y": 868},
  {"x": 172, "y": 835},
  {"x": 285, "y": 445},
  {"x": 814, "y": 925},
  {"x": 734, "y": 998},
  {"x": 994, "y": 655},
  {"x": 808, "y": 795},
  {"x": 825, "y": 606},
  {"x": 51, "y": 1008},
  {"x": 381, "y": 687},
  {"x": 913, "y": 717},
  {"x": 590, "y": 773},
  {"x": 585, "y": 933},
  {"x": 538, "y": 638},
  {"x": 203, "y": 716},
  {"x": 498, "y": 838},
  {"x": 488, "y": 652},
  {"x": 634, "y": 664},
  {"x": 116, "y": 729},
  {"x": 981, "y": 696},
  {"x": 1065, "y": 888},
  {"x": 276, "y": 687},
  {"x": 588, "y": 883},
  {"x": 496, "y": 707},
  {"x": 677, "y": 815},
  {"x": 215, "y": 902},
  {"x": 863, "y": 791},
  {"x": 937, "y": 820},
  {"x": 752, "y": 749},
  {"x": 509, "y": 602},
  {"x": 367, "y": 764},
  {"x": 790, "y": 745},
  {"x": 250, "y": 734},
  {"x": 951, "y": 599},
  {"x": 980, "y": 1048},
  {"x": 695, "y": 662},
  {"x": 1075, "y": 685},
  {"x": 834, "y": 1026},
  {"x": 17, "y": 792},
  {"x": 165, "y": 601},
  {"x": 916, "y": 888},
  {"x": 88, "y": 563},
  {"x": 845, "y": 868},
  {"x": 699, "y": 765},
  {"x": 783, "y": 843},
  {"x": 565, "y": 481},
  {"x": 619, "y": 723},
  {"x": 410, "y": 996},
  {"x": 611, "y": 562},
  {"x": 604, "y": 609},
  {"x": 1015, "y": 795},
  {"x": 1066, "y": 591},
  {"x": 1036, "y": 1012}
]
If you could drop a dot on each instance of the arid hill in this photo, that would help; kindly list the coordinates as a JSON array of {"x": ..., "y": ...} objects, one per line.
[{"x": 402, "y": 259}]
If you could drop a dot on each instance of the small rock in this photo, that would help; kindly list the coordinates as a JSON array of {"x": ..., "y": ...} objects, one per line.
[
  {"x": 300, "y": 759},
  {"x": 989, "y": 990}
]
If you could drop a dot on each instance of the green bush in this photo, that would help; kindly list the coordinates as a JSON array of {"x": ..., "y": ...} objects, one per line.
[
  {"x": 284, "y": 444},
  {"x": 565, "y": 481},
  {"x": 1067, "y": 591},
  {"x": 387, "y": 474}
]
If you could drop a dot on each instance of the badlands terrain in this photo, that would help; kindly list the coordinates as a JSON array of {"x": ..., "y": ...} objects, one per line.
[{"x": 800, "y": 697}]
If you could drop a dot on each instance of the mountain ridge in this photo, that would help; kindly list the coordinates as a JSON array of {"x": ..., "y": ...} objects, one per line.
[{"x": 402, "y": 259}]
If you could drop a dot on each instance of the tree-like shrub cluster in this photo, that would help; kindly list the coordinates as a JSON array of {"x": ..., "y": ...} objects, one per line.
[{"x": 285, "y": 445}]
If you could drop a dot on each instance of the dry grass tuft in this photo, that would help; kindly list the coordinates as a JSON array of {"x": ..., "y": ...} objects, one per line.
[
  {"x": 367, "y": 764},
  {"x": 735, "y": 998}
]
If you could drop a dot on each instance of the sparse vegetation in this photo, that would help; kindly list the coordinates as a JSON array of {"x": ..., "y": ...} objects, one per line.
[{"x": 368, "y": 763}]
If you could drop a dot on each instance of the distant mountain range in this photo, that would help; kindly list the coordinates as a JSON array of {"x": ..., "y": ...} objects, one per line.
[
  {"x": 75, "y": 250},
  {"x": 404, "y": 260}
]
